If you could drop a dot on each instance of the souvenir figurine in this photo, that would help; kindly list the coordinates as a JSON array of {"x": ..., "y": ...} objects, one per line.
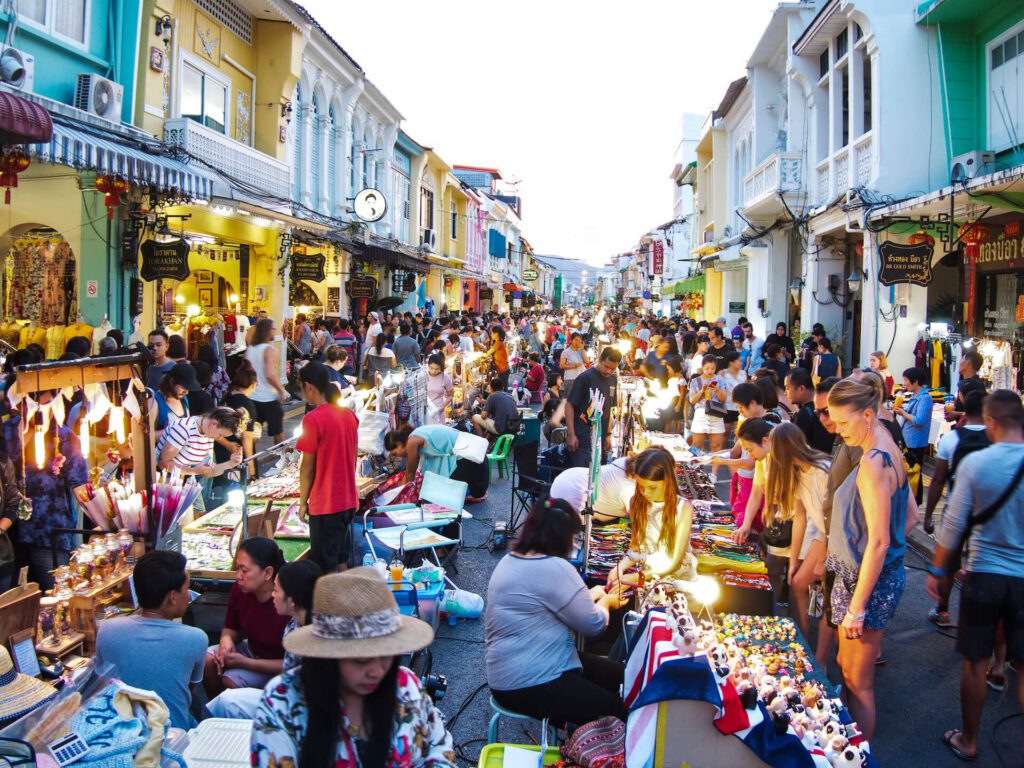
[{"x": 851, "y": 756}]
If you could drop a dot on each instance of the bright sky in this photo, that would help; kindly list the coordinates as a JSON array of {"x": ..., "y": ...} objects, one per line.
[{"x": 583, "y": 106}]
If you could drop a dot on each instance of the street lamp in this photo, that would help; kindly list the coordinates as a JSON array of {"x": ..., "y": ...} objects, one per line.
[
  {"x": 855, "y": 280},
  {"x": 794, "y": 289}
]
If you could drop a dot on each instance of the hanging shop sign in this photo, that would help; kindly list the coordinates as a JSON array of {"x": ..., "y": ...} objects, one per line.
[
  {"x": 165, "y": 260},
  {"x": 370, "y": 205},
  {"x": 308, "y": 266},
  {"x": 1000, "y": 255},
  {"x": 658, "y": 257},
  {"x": 362, "y": 287},
  {"x": 905, "y": 263},
  {"x": 486, "y": 294},
  {"x": 397, "y": 282},
  {"x": 529, "y": 274}
]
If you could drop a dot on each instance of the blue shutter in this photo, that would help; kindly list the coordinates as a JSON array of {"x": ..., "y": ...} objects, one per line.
[
  {"x": 315, "y": 156},
  {"x": 332, "y": 162}
]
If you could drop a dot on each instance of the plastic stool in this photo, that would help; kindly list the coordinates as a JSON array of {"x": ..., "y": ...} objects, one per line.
[{"x": 499, "y": 711}]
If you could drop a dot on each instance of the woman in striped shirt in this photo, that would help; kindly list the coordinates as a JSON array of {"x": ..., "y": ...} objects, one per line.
[{"x": 187, "y": 445}]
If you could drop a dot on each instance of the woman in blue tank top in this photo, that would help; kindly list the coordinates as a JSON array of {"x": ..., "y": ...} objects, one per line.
[{"x": 866, "y": 541}]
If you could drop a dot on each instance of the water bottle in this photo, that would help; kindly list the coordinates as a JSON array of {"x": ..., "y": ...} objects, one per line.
[{"x": 368, "y": 559}]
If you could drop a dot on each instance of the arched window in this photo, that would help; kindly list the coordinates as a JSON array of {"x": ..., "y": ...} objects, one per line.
[
  {"x": 315, "y": 155},
  {"x": 297, "y": 145},
  {"x": 332, "y": 160}
]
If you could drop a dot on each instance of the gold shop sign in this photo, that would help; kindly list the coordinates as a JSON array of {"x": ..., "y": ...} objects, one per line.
[{"x": 1000, "y": 255}]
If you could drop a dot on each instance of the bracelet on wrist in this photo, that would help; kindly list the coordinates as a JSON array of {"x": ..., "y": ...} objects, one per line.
[
  {"x": 855, "y": 616},
  {"x": 937, "y": 572}
]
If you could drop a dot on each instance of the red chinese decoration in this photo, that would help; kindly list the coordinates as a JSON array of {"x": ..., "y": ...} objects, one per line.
[
  {"x": 921, "y": 237},
  {"x": 12, "y": 163},
  {"x": 1012, "y": 229},
  {"x": 973, "y": 233},
  {"x": 112, "y": 188}
]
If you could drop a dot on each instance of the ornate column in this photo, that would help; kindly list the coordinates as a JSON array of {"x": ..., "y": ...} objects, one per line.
[{"x": 305, "y": 136}]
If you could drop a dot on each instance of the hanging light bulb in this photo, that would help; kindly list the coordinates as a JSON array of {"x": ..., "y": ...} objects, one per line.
[
  {"x": 39, "y": 443},
  {"x": 116, "y": 423},
  {"x": 83, "y": 435}
]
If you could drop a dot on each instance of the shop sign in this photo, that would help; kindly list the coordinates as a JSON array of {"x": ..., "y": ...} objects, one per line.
[
  {"x": 136, "y": 294},
  {"x": 647, "y": 294},
  {"x": 529, "y": 274},
  {"x": 397, "y": 282},
  {"x": 658, "y": 257},
  {"x": 129, "y": 247},
  {"x": 362, "y": 287},
  {"x": 905, "y": 263},
  {"x": 486, "y": 294},
  {"x": 737, "y": 307},
  {"x": 308, "y": 266},
  {"x": 1000, "y": 255},
  {"x": 164, "y": 260}
]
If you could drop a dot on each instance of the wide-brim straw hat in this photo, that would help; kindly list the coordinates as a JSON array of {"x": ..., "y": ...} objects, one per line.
[
  {"x": 20, "y": 694},
  {"x": 355, "y": 616}
]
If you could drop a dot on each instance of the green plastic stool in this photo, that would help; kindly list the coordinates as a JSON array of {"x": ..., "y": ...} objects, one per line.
[{"x": 500, "y": 455}]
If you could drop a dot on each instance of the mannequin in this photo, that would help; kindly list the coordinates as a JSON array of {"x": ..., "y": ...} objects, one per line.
[
  {"x": 80, "y": 328},
  {"x": 136, "y": 334},
  {"x": 100, "y": 332}
]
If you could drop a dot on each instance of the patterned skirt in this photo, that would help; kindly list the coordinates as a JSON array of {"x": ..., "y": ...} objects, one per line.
[{"x": 884, "y": 598}]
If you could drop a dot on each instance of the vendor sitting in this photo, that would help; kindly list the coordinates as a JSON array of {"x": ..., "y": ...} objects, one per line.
[
  {"x": 535, "y": 600},
  {"x": 152, "y": 650},
  {"x": 616, "y": 486},
  {"x": 499, "y": 411},
  {"x": 250, "y": 650},
  {"x": 660, "y": 523}
]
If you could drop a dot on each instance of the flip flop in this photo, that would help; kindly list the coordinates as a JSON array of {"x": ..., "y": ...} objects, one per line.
[
  {"x": 995, "y": 682},
  {"x": 947, "y": 739}
]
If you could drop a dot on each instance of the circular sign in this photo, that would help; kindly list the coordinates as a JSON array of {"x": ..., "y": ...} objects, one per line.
[{"x": 370, "y": 205}]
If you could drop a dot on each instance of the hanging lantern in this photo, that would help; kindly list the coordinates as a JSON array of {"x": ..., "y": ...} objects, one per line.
[
  {"x": 973, "y": 233},
  {"x": 921, "y": 237},
  {"x": 11, "y": 164},
  {"x": 112, "y": 188}
]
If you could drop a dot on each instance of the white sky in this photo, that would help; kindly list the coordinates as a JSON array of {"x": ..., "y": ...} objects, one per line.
[{"x": 584, "y": 106}]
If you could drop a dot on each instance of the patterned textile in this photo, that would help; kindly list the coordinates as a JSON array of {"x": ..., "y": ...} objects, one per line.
[
  {"x": 218, "y": 386},
  {"x": 600, "y": 744},
  {"x": 50, "y": 494},
  {"x": 418, "y": 736},
  {"x": 38, "y": 288}
]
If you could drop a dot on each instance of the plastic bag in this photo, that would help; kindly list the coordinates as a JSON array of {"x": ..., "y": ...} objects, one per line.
[
  {"x": 372, "y": 426},
  {"x": 462, "y": 604},
  {"x": 470, "y": 447}
]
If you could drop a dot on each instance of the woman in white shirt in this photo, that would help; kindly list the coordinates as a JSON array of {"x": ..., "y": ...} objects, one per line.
[
  {"x": 378, "y": 359},
  {"x": 573, "y": 361},
  {"x": 796, "y": 485},
  {"x": 696, "y": 361},
  {"x": 615, "y": 490}
]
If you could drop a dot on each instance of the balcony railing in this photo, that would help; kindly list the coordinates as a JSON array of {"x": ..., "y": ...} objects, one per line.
[
  {"x": 245, "y": 164},
  {"x": 850, "y": 167},
  {"x": 780, "y": 172}
]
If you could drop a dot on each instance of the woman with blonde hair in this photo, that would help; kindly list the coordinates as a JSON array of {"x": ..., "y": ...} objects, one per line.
[
  {"x": 795, "y": 486},
  {"x": 878, "y": 362},
  {"x": 660, "y": 522},
  {"x": 871, "y": 512}
]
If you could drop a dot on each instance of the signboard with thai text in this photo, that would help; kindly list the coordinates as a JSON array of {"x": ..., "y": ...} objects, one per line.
[
  {"x": 1006, "y": 253},
  {"x": 658, "y": 257},
  {"x": 529, "y": 274},
  {"x": 308, "y": 266},
  {"x": 165, "y": 260},
  {"x": 905, "y": 263},
  {"x": 362, "y": 287}
]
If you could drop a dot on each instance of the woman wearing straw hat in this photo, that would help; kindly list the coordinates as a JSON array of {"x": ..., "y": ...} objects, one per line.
[{"x": 350, "y": 702}]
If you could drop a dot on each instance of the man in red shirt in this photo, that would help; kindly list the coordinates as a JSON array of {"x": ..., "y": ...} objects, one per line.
[
  {"x": 327, "y": 475},
  {"x": 535, "y": 378}
]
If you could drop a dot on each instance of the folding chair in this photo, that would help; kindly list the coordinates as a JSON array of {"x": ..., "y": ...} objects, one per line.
[{"x": 527, "y": 486}]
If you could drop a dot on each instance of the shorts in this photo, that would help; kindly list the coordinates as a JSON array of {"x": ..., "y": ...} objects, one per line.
[
  {"x": 242, "y": 678},
  {"x": 703, "y": 424},
  {"x": 330, "y": 540},
  {"x": 985, "y": 600},
  {"x": 235, "y": 703},
  {"x": 830, "y": 582},
  {"x": 883, "y": 601},
  {"x": 272, "y": 414},
  {"x": 487, "y": 425}
]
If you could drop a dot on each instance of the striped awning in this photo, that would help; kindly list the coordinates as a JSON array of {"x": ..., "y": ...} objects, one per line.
[{"x": 87, "y": 151}]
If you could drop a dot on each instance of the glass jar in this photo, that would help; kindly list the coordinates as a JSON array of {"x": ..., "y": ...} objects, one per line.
[
  {"x": 125, "y": 541},
  {"x": 47, "y": 629},
  {"x": 84, "y": 569},
  {"x": 101, "y": 566},
  {"x": 113, "y": 553}
]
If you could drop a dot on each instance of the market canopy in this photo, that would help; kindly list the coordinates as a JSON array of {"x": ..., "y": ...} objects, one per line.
[{"x": 693, "y": 284}]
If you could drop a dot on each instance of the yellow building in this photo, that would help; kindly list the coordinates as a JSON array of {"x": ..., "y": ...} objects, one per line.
[
  {"x": 216, "y": 85},
  {"x": 710, "y": 191}
]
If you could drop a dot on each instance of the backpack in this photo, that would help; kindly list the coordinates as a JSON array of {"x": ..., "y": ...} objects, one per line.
[{"x": 970, "y": 440}]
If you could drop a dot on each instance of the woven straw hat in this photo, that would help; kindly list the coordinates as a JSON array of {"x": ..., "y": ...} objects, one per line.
[
  {"x": 355, "y": 616},
  {"x": 19, "y": 694}
]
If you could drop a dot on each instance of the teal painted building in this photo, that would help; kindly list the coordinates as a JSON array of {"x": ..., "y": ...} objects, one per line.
[
  {"x": 979, "y": 58},
  {"x": 56, "y": 205}
]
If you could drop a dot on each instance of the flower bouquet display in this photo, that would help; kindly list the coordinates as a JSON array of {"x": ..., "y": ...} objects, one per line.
[{"x": 173, "y": 495}]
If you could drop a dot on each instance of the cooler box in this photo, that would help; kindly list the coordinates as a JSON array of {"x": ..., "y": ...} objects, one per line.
[
  {"x": 531, "y": 426},
  {"x": 429, "y": 597}
]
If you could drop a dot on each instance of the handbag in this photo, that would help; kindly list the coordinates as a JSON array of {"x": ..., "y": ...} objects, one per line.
[
  {"x": 778, "y": 533},
  {"x": 598, "y": 744}
]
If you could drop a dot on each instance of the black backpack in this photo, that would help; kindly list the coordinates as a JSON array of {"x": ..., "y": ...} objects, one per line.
[{"x": 971, "y": 440}]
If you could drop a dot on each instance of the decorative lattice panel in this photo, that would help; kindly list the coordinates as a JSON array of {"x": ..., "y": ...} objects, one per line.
[{"x": 230, "y": 15}]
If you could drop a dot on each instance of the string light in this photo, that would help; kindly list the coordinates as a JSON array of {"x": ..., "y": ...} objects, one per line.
[{"x": 83, "y": 435}]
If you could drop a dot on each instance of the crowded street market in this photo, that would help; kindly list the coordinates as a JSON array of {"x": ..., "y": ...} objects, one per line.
[{"x": 310, "y": 458}]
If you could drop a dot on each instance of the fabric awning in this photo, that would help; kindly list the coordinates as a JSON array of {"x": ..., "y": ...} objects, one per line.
[
  {"x": 86, "y": 150},
  {"x": 390, "y": 258},
  {"x": 23, "y": 121},
  {"x": 693, "y": 284},
  {"x": 510, "y": 287}
]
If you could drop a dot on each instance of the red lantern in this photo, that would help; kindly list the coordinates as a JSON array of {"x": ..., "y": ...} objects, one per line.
[
  {"x": 921, "y": 237},
  {"x": 11, "y": 164},
  {"x": 112, "y": 188},
  {"x": 973, "y": 233}
]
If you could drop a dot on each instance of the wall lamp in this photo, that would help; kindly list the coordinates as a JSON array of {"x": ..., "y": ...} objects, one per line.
[
  {"x": 286, "y": 111},
  {"x": 762, "y": 307},
  {"x": 163, "y": 28},
  {"x": 853, "y": 285},
  {"x": 795, "y": 287}
]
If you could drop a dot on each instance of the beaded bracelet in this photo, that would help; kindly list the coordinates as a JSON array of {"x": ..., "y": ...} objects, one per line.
[{"x": 856, "y": 616}]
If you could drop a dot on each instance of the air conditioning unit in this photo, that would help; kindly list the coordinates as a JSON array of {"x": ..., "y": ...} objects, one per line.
[
  {"x": 17, "y": 68},
  {"x": 429, "y": 239},
  {"x": 970, "y": 165},
  {"x": 99, "y": 96}
]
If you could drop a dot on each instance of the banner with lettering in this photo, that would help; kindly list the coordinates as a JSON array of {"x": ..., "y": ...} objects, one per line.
[
  {"x": 165, "y": 260},
  {"x": 905, "y": 263}
]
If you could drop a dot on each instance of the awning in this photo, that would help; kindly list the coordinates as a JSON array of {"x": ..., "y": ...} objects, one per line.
[
  {"x": 693, "y": 284},
  {"x": 390, "y": 258},
  {"x": 23, "y": 121},
  {"x": 86, "y": 150},
  {"x": 511, "y": 287}
]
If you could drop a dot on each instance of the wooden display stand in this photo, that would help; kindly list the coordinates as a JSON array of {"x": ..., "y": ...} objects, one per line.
[
  {"x": 84, "y": 607},
  {"x": 19, "y": 609},
  {"x": 687, "y": 735}
]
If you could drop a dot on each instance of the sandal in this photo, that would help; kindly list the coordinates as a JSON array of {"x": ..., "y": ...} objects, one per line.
[
  {"x": 995, "y": 682},
  {"x": 947, "y": 739}
]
